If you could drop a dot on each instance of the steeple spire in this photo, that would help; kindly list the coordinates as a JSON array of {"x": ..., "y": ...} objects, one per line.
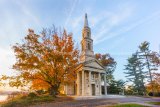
[
  {"x": 86, "y": 21},
  {"x": 86, "y": 43}
]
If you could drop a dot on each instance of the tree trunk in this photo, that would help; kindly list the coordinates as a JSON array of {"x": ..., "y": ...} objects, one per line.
[
  {"x": 54, "y": 90},
  {"x": 150, "y": 74}
]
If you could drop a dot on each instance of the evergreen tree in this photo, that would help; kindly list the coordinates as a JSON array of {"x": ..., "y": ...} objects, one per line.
[
  {"x": 150, "y": 60},
  {"x": 135, "y": 73},
  {"x": 116, "y": 86}
]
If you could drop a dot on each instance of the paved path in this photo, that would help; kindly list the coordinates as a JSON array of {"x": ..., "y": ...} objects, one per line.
[{"x": 100, "y": 101}]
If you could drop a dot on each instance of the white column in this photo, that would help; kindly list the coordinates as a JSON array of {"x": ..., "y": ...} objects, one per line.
[
  {"x": 78, "y": 84},
  {"x": 82, "y": 82},
  {"x": 99, "y": 83},
  {"x": 105, "y": 88},
  {"x": 90, "y": 87}
]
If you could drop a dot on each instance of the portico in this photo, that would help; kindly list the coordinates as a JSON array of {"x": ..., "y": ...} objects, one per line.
[{"x": 89, "y": 83}]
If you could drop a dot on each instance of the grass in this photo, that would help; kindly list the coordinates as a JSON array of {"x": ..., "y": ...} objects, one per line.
[
  {"x": 154, "y": 103},
  {"x": 32, "y": 99},
  {"x": 22, "y": 101},
  {"x": 128, "y": 105}
]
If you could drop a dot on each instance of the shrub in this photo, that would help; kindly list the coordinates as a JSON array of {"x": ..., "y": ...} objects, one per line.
[
  {"x": 32, "y": 95},
  {"x": 24, "y": 97},
  {"x": 40, "y": 92},
  {"x": 150, "y": 93},
  {"x": 156, "y": 94}
]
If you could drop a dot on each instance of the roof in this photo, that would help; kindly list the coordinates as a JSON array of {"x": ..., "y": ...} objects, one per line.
[{"x": 93, "y": 64}]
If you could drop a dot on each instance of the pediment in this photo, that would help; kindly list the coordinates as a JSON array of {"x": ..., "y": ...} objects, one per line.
[
  {"x": 91, "y": 65},
  {"x": 94, "y": 64}
]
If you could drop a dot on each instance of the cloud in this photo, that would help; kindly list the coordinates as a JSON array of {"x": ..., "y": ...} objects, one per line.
[
  {"x": 16, "y": 17},
  {"x": 110, "y": 21},
  {"x": 28, "y": 13},
  {"x": 71, "y": 11},
  {"x": 124, "y": 29},
  {"x": 101, "y": 23}
]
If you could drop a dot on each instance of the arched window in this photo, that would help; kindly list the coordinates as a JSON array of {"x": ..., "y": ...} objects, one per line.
[
  {"x": 88, "y": 34},
  {"x": 89, "y": 46}
]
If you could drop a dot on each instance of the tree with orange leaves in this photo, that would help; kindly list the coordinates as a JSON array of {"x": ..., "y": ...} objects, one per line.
[
  {"x": 108, "y": 62},
  {"x": 45, "y": 60},
  {"x": 155, "y": 83}
]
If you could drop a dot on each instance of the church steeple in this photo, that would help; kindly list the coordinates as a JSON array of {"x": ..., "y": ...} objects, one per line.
[{"x": 87, "y": 42}]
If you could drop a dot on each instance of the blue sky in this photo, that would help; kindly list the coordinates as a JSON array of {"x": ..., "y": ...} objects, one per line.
[{"x": 118, "y": 26}]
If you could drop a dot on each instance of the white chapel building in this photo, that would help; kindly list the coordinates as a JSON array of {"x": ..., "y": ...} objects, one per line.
[{"x": 90, "y": 72}]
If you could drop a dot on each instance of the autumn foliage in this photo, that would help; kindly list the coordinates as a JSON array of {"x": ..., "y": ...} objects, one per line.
[
  {"x": 46, "y": 60},
  {"x": 109, "y": 63},
  {"x": 156, "y": 83}
]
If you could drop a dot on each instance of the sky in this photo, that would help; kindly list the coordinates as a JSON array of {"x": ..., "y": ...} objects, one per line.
[{"x": 118, "y": 26}]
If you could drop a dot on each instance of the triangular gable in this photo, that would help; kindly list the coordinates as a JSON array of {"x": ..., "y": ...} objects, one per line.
[{"x": 94, "y": 64}]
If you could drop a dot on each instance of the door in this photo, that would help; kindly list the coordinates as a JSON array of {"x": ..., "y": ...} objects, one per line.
[{"x": 93, "y": 89}]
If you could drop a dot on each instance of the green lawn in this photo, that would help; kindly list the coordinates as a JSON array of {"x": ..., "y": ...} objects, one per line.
[
  {"x": 128, "y": 105},
  {"x": 25, "y": 101},
  {"x": 154, "y": 103}
]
